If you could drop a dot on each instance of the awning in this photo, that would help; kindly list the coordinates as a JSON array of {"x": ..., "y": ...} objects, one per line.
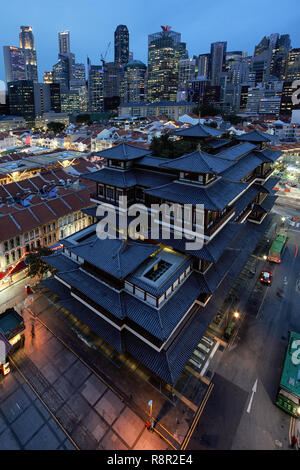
[{"x": 18, "y": 268}]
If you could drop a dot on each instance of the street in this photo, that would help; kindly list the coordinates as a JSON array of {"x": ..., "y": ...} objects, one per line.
[{"x": 240, "y": 413}]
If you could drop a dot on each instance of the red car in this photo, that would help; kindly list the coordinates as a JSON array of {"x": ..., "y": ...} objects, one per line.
[{"x": 266, "y": 277}]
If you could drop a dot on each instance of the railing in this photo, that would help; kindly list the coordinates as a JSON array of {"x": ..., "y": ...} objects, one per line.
[{"x": 218, "y": 223}]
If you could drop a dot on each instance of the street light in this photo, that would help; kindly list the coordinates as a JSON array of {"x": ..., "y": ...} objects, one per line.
[
  {"x": 298, "y": 410},
  {"x": 236, "y": 315},
  {"x": 283, "y": 219},
  {"x": 265, "y": 257}
]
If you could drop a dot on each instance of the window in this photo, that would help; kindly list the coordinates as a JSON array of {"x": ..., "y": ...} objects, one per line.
[
  {"x": 31, "y": 235},
  {"x": 13, "y": 255},
  {"x": 11, "y": 243},
  {"x": 100, "y": 190},
  {"x": 110, "y": 193},
  {"x": 119, "y": 193},
  {"x": 5, "y": 246},
  {"x": 6, "y": 259},
  {"x": 37, "y": 232},
  {"x": 17, "y": 241},
  {"x": 26, "y": 237}
]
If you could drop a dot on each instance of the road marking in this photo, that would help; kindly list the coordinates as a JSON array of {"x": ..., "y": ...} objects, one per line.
[
  {"x": 254, "y": 390},
  {"x": 292, "y": 428},
  {"x": 196, "y": 418},
  {"x": 296, "y": 251}
]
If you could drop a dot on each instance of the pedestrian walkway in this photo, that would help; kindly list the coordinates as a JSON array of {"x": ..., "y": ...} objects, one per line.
[{"x": 89, "y": 415}]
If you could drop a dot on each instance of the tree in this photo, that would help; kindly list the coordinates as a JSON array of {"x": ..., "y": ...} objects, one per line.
[
  {"x": 36, "y": 266},
  {"x": 166, "y": 148},
  {"x": 84, "y": 119},
  {"x": 56, "y": 127},
  {"x": 206, "y": 110},
  {"x": 232, "y": 118}
]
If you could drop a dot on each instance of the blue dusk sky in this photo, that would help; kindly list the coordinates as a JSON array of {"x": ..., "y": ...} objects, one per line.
[{"x": 92, "y": 24}]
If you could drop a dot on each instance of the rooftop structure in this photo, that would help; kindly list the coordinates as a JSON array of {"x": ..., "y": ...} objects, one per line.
[{"x": 149, "y": 298}]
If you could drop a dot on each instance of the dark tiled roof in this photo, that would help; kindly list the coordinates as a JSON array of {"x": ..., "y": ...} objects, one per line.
[
  {"x": 57, "y": 287},
  {"x": 197, "y": 162},
  {"x": 270, "y": 184},
  {"x": 242, "y": 167},
  {"x": 99, "y": 326},
  {"x": 60, "y": 262},
  {"x": 266, "y": 205},
  {"x": 123, "y": 152},
  {"x": 268, "y": 155},
  {"x": 256, "y": 136},
  {"x": 236, "y": 151},
  {"x": 217, "y": 272},
  {"x": 95, "y": 290},
  {"x": 246, "y": 198},
  {"x": 215, "y": 144},
  {"x": 161, "y": 322},
  {"x": 151, "y": 161},
  {"x": 214, "y": 197},
  {"x": 199, "y": 130},
  {"x": 116, "y": 257},
  {"x": 127, "y": 179}
]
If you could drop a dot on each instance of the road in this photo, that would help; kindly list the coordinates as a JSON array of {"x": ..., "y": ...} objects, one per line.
[{"x": 240, "y": 413}]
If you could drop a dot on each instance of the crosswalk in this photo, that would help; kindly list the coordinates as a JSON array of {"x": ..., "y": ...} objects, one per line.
[{"x": 202, "y": 353}]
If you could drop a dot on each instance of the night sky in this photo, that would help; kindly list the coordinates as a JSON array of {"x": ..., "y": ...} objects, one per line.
[{"x": 92, "y": 24}]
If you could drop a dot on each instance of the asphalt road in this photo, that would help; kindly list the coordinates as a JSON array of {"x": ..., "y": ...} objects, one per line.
[{"x": 233, "y": 418}]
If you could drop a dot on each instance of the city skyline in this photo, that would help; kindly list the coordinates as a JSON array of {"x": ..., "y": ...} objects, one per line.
[{"x": 241, "y": 35}]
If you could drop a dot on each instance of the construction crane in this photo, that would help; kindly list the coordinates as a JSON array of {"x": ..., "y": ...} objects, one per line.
[{"x": 106, "y": 52}]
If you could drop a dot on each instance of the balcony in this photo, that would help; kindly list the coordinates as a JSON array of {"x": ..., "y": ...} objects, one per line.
[{"x": 209, "y": 231}]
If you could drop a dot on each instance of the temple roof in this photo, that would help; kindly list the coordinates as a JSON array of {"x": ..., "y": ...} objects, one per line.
[
  {"x": 214, "y": 197},
  {"x": 197, "y": 162},
  {"x": 256, "y": 136},
  {"x": 123, "y": 152},
  {"x": 199, "y": 130}
]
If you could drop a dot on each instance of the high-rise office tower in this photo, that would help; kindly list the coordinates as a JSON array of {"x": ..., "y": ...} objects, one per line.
[
  {"x": 133, "y": 83},
  {"x": 165, "y": 49},
  {"x": 113, "y": 75},
  {"x": 14, "y": 62},
  {"x": 217, "y": 61},
  {"x": 42, "y": 98},
  {"x": 95, "y": 87},
  {"x": 64, "y": 42},
  {"x": 55, "y": 97},
  {"x": 122, "y": 44},
  {"x": 202, "y": 65},
  {"x": 61, "y": 72},
  {"x": 293, "y": 65},
  {"x": 186, "y": 71},
  {"x": 27, "y": 44},
  {"x": 21, "y": 99}
]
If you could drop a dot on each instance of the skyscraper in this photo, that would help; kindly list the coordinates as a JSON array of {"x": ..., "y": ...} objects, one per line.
[
  {"x": 95, "y": 87},
  {"x": 293, "y": 65},
  {"x": 133, "y": 83},
  {"x": 27, "y": 45},
  {"x": 61, "y": 72},
  {"x": 122, "y": 44},
  {"x": 48, "y": 77},
  {"x": 21, "y": 99},
  {"x": 203, "y": 65},
  {"x": 64, "y": 42},
  {"x": 165, "y": 49},
  {"x": 113, "y": 74},
  {"x": 14, "y": 62},
  {"x": 217, "y": 61}
]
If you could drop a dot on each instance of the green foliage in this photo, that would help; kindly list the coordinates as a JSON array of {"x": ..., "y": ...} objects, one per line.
[
  {"x": 206, "y": 110},
  {"x": 84, "y": 119},
  {"x": 232, "y": 118},
  {"x": 37, "y": 267},
  {"x": 166, "y": 148},
  {"x": 212, "y": 124},
  {"x": 56, "y": 127}
]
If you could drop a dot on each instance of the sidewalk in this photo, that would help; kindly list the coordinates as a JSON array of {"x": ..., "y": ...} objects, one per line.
[{"x": 90, "y": 414}]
